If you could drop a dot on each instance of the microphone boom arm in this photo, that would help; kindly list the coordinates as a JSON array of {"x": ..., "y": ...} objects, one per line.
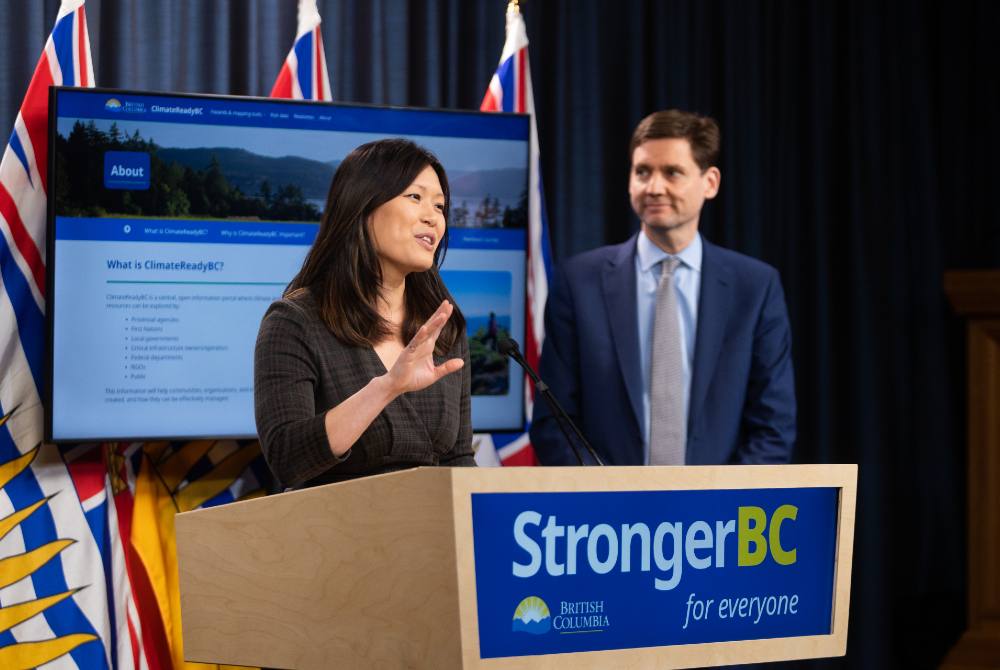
[{"x": 509, "y": 347}]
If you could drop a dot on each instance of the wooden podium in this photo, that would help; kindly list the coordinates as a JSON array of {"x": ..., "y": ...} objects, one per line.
[
  {"x": 975, "y": 295},
  {"x": 381, "y": 572}
]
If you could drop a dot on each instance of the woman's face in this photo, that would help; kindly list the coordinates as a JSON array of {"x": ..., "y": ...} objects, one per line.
[{"x": 406, "y": 230}]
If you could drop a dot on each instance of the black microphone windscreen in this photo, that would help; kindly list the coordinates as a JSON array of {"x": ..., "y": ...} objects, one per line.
[{"x": 506, "y": 346}]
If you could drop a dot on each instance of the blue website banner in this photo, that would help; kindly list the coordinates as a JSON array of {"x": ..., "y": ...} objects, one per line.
[
  {"x": 277, "y": 114},
  {"x": 183, "y": 230},
  {"x": 247, "y": 232},
  {"x": 568, "y": 572}
]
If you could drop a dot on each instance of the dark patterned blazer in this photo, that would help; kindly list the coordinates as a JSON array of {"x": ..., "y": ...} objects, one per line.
[{"x": 301, "y": 370}]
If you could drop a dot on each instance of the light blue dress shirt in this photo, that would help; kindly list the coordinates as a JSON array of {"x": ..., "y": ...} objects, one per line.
[{"x": 687, "y": 284}]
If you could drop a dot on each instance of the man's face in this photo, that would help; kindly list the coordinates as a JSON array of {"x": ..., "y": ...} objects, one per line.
[{"x": 666, "y": 186}]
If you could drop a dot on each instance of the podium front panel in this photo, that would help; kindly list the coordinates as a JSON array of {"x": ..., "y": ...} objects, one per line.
[
  {"x": 654, "y": 567},
  {"x": 613, "y": 570}
]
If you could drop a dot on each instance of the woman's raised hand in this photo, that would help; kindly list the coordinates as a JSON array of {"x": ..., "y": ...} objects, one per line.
[{"x": 415, "y": 368}]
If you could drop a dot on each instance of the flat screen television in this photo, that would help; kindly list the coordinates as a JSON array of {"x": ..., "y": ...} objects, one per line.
[{"x": 174, "y": 220}]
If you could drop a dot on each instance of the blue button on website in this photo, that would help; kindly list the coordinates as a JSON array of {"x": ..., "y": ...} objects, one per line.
[{"x": 126, "y": 170}]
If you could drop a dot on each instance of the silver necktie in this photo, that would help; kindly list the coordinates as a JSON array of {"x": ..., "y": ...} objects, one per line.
[{"x": 668, "y": 425}]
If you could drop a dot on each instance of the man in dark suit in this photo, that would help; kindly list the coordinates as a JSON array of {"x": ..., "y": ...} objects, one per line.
[{"x": 667, "y": 349}]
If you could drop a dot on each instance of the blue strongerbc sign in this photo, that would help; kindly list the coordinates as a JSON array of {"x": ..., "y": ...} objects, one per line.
[
  {"x": 566, "y": 572},
  {"x": 126, "y": 170}
]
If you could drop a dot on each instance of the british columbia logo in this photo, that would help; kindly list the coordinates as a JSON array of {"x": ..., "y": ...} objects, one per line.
[
  {"x": 116, "y": 105},
  {"x": 532, "y": 616}
]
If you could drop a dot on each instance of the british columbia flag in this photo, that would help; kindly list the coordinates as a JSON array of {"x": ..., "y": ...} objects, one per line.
[
  {"x": 510, "y": 91},
  {"x": 54, "y": 595},
  {"x": 304, "y": 75}
]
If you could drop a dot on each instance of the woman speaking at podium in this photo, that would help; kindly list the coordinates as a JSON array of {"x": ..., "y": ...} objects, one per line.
[{"x": 363, "y": 366}]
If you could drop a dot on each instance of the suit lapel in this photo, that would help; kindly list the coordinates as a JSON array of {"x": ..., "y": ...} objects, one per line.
[
  {"x": 620, "y": 302},
  {"x": 713, "y": 316}
]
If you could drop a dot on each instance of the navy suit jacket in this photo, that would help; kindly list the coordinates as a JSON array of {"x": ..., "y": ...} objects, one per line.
[{"x": 742, "y": 398}]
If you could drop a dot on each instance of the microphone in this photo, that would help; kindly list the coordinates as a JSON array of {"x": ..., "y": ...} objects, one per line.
[{"x": 508, "y": 347}]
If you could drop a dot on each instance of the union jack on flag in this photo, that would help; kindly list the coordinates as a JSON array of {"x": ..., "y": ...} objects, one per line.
[
  {"x": 304, "y": 75},
  {"x": 510, "y": 91}
]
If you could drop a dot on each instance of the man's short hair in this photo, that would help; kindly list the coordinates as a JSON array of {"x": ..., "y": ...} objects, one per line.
[{"x": 701, "y": 132}]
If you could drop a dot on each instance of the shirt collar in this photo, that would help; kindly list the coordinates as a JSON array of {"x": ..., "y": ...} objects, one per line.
[{"x": 648, "y": 254}]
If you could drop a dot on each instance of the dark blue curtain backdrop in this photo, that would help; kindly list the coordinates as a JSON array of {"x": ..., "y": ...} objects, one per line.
[{"x": 860, "y": 142}]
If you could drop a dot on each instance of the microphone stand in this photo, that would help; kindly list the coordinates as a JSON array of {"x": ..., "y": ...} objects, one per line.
[{"x": 509, "y": 347}]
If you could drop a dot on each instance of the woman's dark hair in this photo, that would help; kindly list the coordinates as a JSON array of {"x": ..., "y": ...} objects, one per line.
[{"x": 342, "y": 269}]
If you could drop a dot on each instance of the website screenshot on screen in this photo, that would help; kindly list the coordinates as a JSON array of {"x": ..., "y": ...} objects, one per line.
[{"x": 178, "y": 220}]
